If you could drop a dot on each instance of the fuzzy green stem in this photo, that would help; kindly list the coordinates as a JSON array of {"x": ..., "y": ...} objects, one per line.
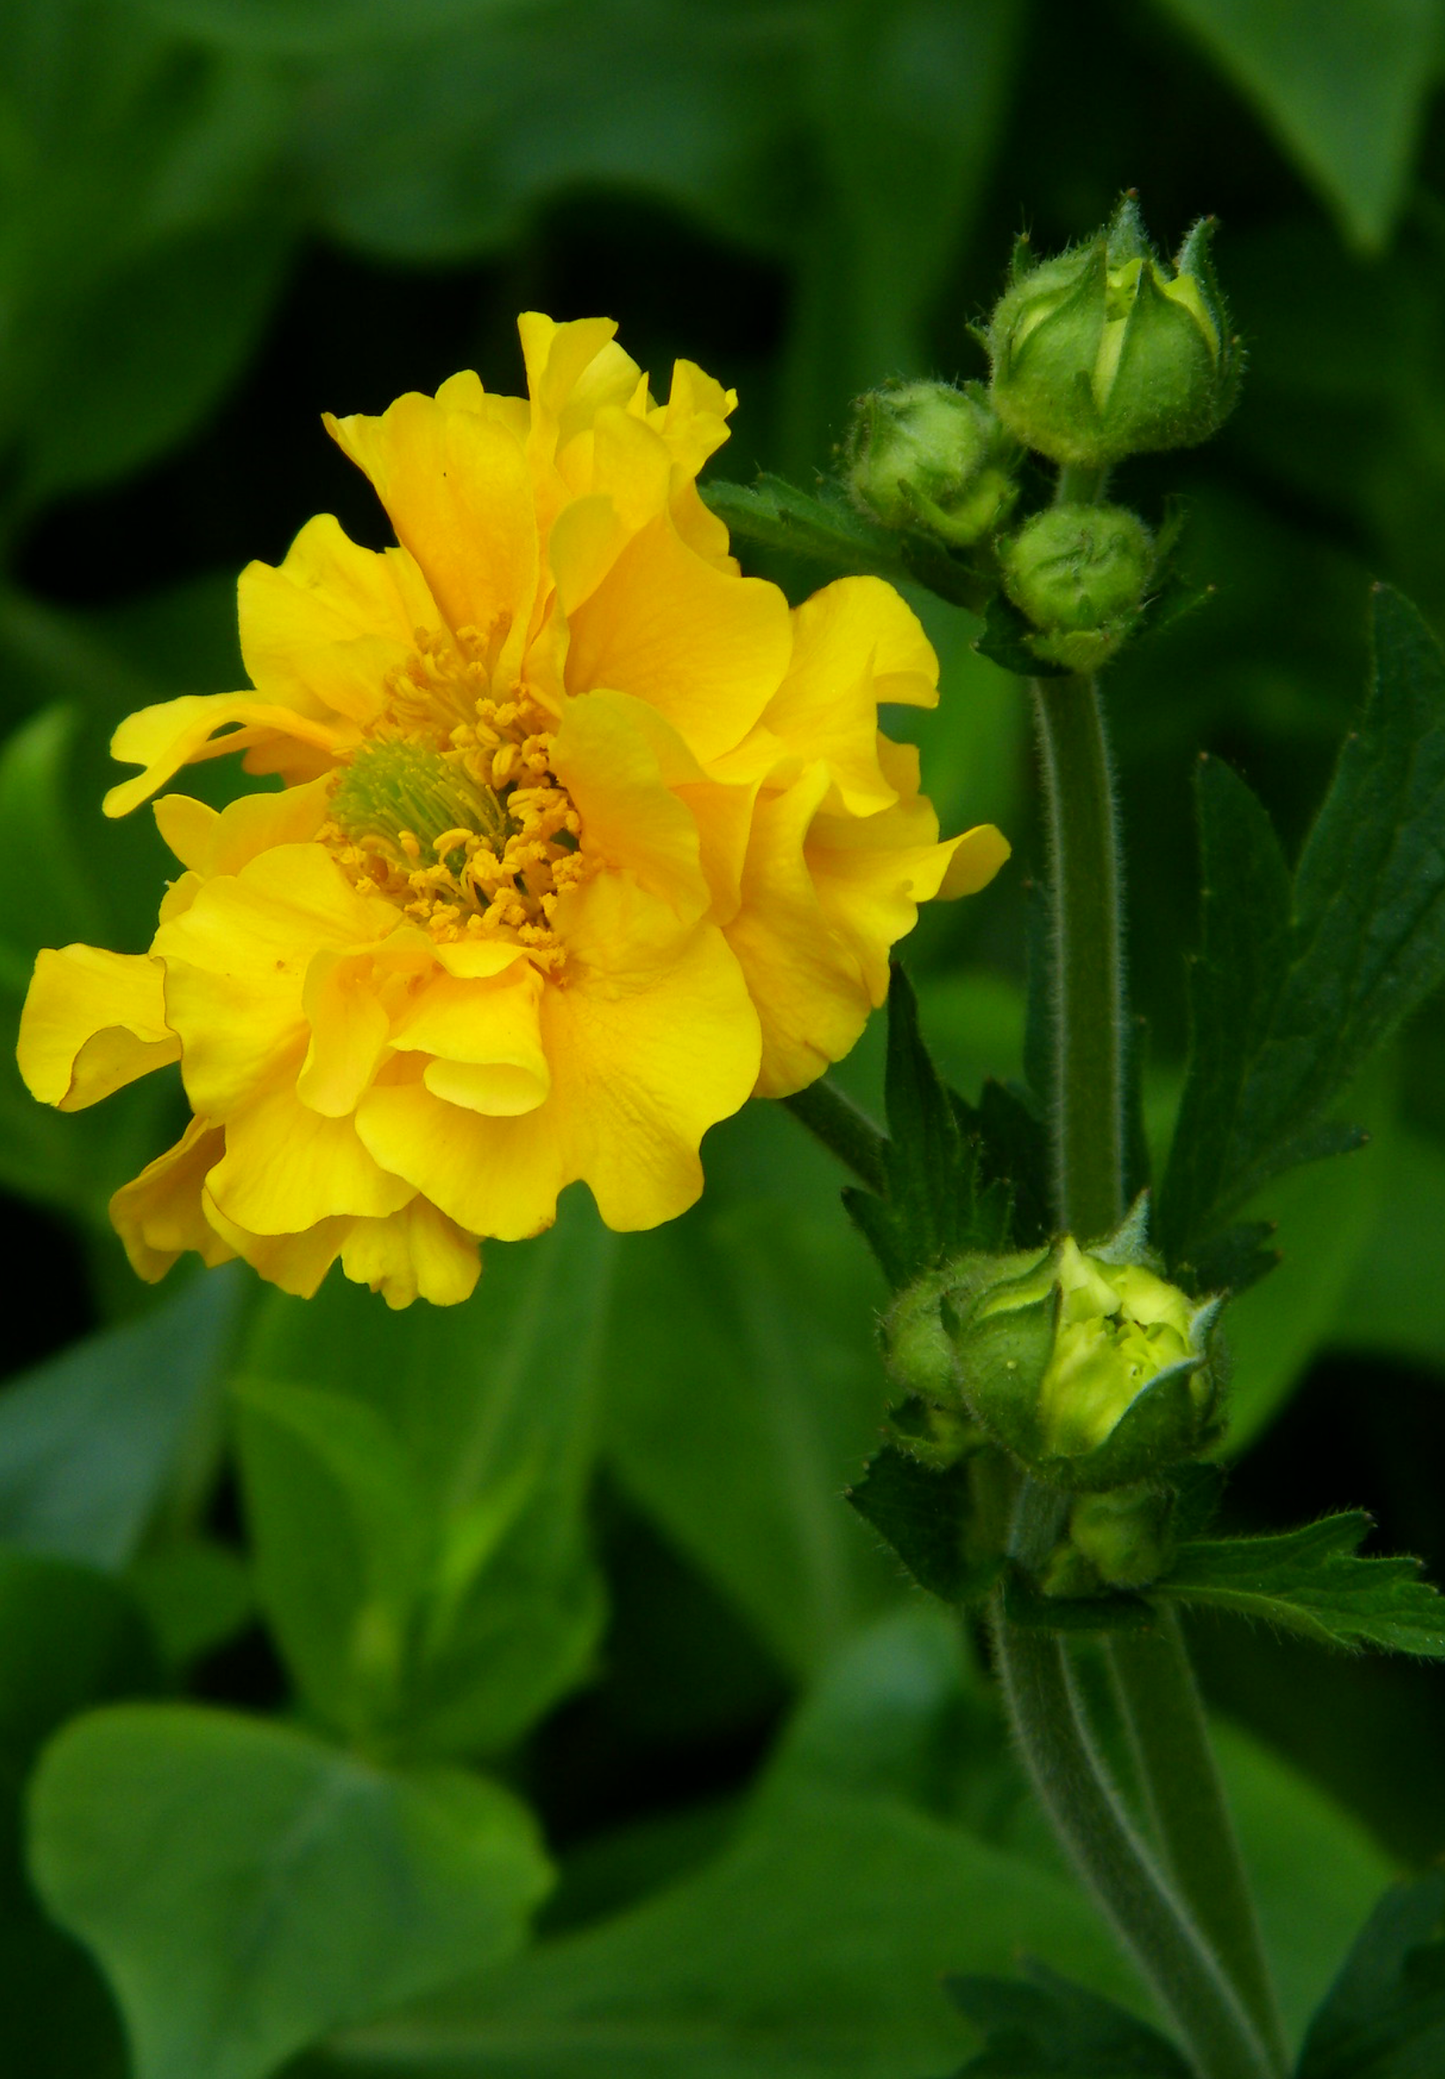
[
  {"x": 1074, "y": 1788},
  {"x": 1088, "y": 1009},
  {"x": 843, "y": 1129},
  {"x": 1160, "y": 1704},
  {"x": 1080, "y": 484}
]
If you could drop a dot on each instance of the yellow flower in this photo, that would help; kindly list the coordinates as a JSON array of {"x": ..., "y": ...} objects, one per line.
[{"x": 582, "y": 839}]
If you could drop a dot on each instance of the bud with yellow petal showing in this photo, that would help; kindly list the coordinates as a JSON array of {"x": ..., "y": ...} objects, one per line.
[
  {"x": 1107, "y": 351},
  {"x": 1085, "y": 1364},
  {"x": 933, "y": 458}
]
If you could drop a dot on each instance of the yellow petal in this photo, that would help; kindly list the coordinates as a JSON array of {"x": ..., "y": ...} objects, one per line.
[
  {"x": 415, "y": 1254},
  {"x": 615, "y": 755},
  {"x": 332, "y": 620},
  {"x": 236, "y": 963},
  {"x": 295, "y": 1262},
  {"x": 650, "y": 1039},
  {"x": 705, "y": 649},
  {"x": 286, "y": 1168},
  {"x": 197, "y": 726},
  {"x": 458, "y": 492},
  {"x": 91, "y": 1022},
  {"x": 976, "y": 857},
  {"x": 349, "y": 1031},
  {"x": 160, "y": 1214},
  {"x": 216, "y": 841},
  {"x": 811, "y": 995},
  {"x": 485, "y": 1038},
  {"x": 693, "y": 421}
]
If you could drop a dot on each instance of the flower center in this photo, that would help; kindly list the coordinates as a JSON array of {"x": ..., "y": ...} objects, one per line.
[{"x": 450, "y": 807}]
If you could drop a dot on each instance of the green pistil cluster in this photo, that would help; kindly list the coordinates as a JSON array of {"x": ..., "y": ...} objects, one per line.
[{"x": 408, "y": 798}]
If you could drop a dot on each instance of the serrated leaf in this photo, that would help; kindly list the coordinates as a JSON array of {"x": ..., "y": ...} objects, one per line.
[
  {"x": 923, "y": 1512},
  {"x": 1310, "y": 1581},
  {"x": 935, "y": 1202},
  {"x": 824, "y": 529},
  {"x": 1297, "y": 986},
  {"x": 1384, "y": 2016},
  {"x": 1013, "y": 1153},
  {"x": 1040, "y": 2026}
]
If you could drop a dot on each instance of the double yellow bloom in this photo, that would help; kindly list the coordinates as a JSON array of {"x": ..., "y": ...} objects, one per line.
[{"x": 582, "y": 839}]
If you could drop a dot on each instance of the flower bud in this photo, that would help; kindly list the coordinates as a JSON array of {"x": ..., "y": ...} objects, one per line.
[
  {"x": 931, "y": 457},
  {"x": 1125, "y": 1534},
  {"x": 1078, "y": 573},
  {"x": 1107, "y": 351},
  {"x": 1086, "y": 1365}
]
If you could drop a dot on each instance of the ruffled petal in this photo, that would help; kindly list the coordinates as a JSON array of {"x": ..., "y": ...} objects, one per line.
[
  {"x": 92, "y": 1022},
  {"x": 296, "y": 1263},
  {"x": 458, "y": 491},
  {"x": 415, "y": 1254},
  {"x": 486, "y": 1041},
  {"x": 298, "y": 742},
  {"x": 160, "y": 1214},
  {"x": 618, "y": 759},
  {"x": 705, "y": 649},
  {"x": 286, "y": 1168},
  {"x": 222, "y": 841}
]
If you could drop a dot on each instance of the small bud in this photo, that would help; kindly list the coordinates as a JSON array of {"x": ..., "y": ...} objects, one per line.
[
  {"x": 1078, "y": 573},
  {"x": 930, "y": 457},
  {"x": 1107, "y": 351},
  {"x": 1125, "y": 1535}
]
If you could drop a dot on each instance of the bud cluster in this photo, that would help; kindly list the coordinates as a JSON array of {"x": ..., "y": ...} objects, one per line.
[
  {"x": 1087, "y": 1368},
  {"x": 1103, "y": 352}
]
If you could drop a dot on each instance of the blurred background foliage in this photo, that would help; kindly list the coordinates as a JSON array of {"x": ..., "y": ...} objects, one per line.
[{"x": 587, "y": 1531}]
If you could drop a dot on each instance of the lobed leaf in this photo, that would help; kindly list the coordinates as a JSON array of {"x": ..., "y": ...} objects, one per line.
[
  {"x": 1310, "y": 1581},
  {"x": 1039, "y": 2026},
  {"x": 1384, "y": 2016}
]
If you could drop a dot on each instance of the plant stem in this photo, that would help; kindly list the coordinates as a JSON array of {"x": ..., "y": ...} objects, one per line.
[
  {"x": 1172, "y": 1955},
  {"x": 1087, "y": 1101},
  {"x": 1074, "y": 1789},
  {"x": 1160, "y": 1703},
  {"x": 843, "y": 1129}
]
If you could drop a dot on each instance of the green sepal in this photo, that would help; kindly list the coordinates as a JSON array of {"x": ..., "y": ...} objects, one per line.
[
  {"x": 1384, "y": 2016},
  {"x": 1166, "y": 381},
  {"x": 928, "y": 1515},
  {"x": 1040, "y": 2026},
  {"x": 1008, "y": 640},
  {"x": 1311, "y": 1582},
  {"x": 1235, "y": 1259},
  {"x": 1013, "y": 1149}
]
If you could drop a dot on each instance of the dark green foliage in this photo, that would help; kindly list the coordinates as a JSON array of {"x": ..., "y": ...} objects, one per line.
[
  {"x": 1040, "y": 2026},
  {"x": 1297, "y": 984},
  {"x": 1310, "y": 1581},
  {"x": 936, "y": 1202},
  {"x": 924, "y": 1512},
  {"x": 827, "y": 532},
  {"x": 1384, "y": 2017}
]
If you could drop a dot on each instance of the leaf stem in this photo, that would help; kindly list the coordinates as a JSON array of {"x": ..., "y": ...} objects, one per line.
[
  {"x": 1160, "y": 1704},
  {"x": 844, "y": 1130},
  {"x": 1087, "y": 995}
]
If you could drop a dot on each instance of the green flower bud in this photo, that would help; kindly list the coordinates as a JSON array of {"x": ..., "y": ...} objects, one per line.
[
  {"x": 1078, "y": 573},
  {"x": 1086, "y": 1365},
  {"x": 928, "y": 456},
  {"x": 1106, "y": 351},
  {"x": 1126, "y": 1535}
]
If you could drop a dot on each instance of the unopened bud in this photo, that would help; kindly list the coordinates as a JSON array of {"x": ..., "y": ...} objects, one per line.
[
  {"x": 1078, "y": 573},
  {"x": 930, "y": 457}
]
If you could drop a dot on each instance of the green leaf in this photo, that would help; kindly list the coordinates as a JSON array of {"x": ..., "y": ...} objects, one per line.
[
  {"x": 69, "y": 1637},
  {"x": 742, "y": 1392},
  {"x": 319, "y": 28},
  {"x": 90, "y": 1440},
  {"x": 812, "y": 1948},
  {"x": 1309, "y": 1581},
  {"x": 934, "y": 1204},
  {"x": 197, "y": 1595},
  {"x": 416, "y": 1487},
  {"x": 1384, "y": 2016},
  {"x": 247, "y": 1888},
  {"x": 922, "y": 1513},
  {"x": 1342, "y": 82},
  {"x": 1394, "y": 1301},
  {"x": 1293, "y": 993},
  {"x": 1039, "y": 2026},
  {"x": 825, "y": 530}
]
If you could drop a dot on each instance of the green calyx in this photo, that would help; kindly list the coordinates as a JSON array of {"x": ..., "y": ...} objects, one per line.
[
  {"x": 931, "y": 458},
  {"x": 406, "y": 798},
  {"x": 1108, "y": 351},
  {"x": 1086, "y": 1365},
  {"x": 1078, "y": 574}
]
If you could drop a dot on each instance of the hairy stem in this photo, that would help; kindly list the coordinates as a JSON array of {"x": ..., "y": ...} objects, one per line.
[
  {"x": 1087, "y": 1001},
  {"x": 843, "y": 1129},
  {"x": 1160, "y": 1704}
]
